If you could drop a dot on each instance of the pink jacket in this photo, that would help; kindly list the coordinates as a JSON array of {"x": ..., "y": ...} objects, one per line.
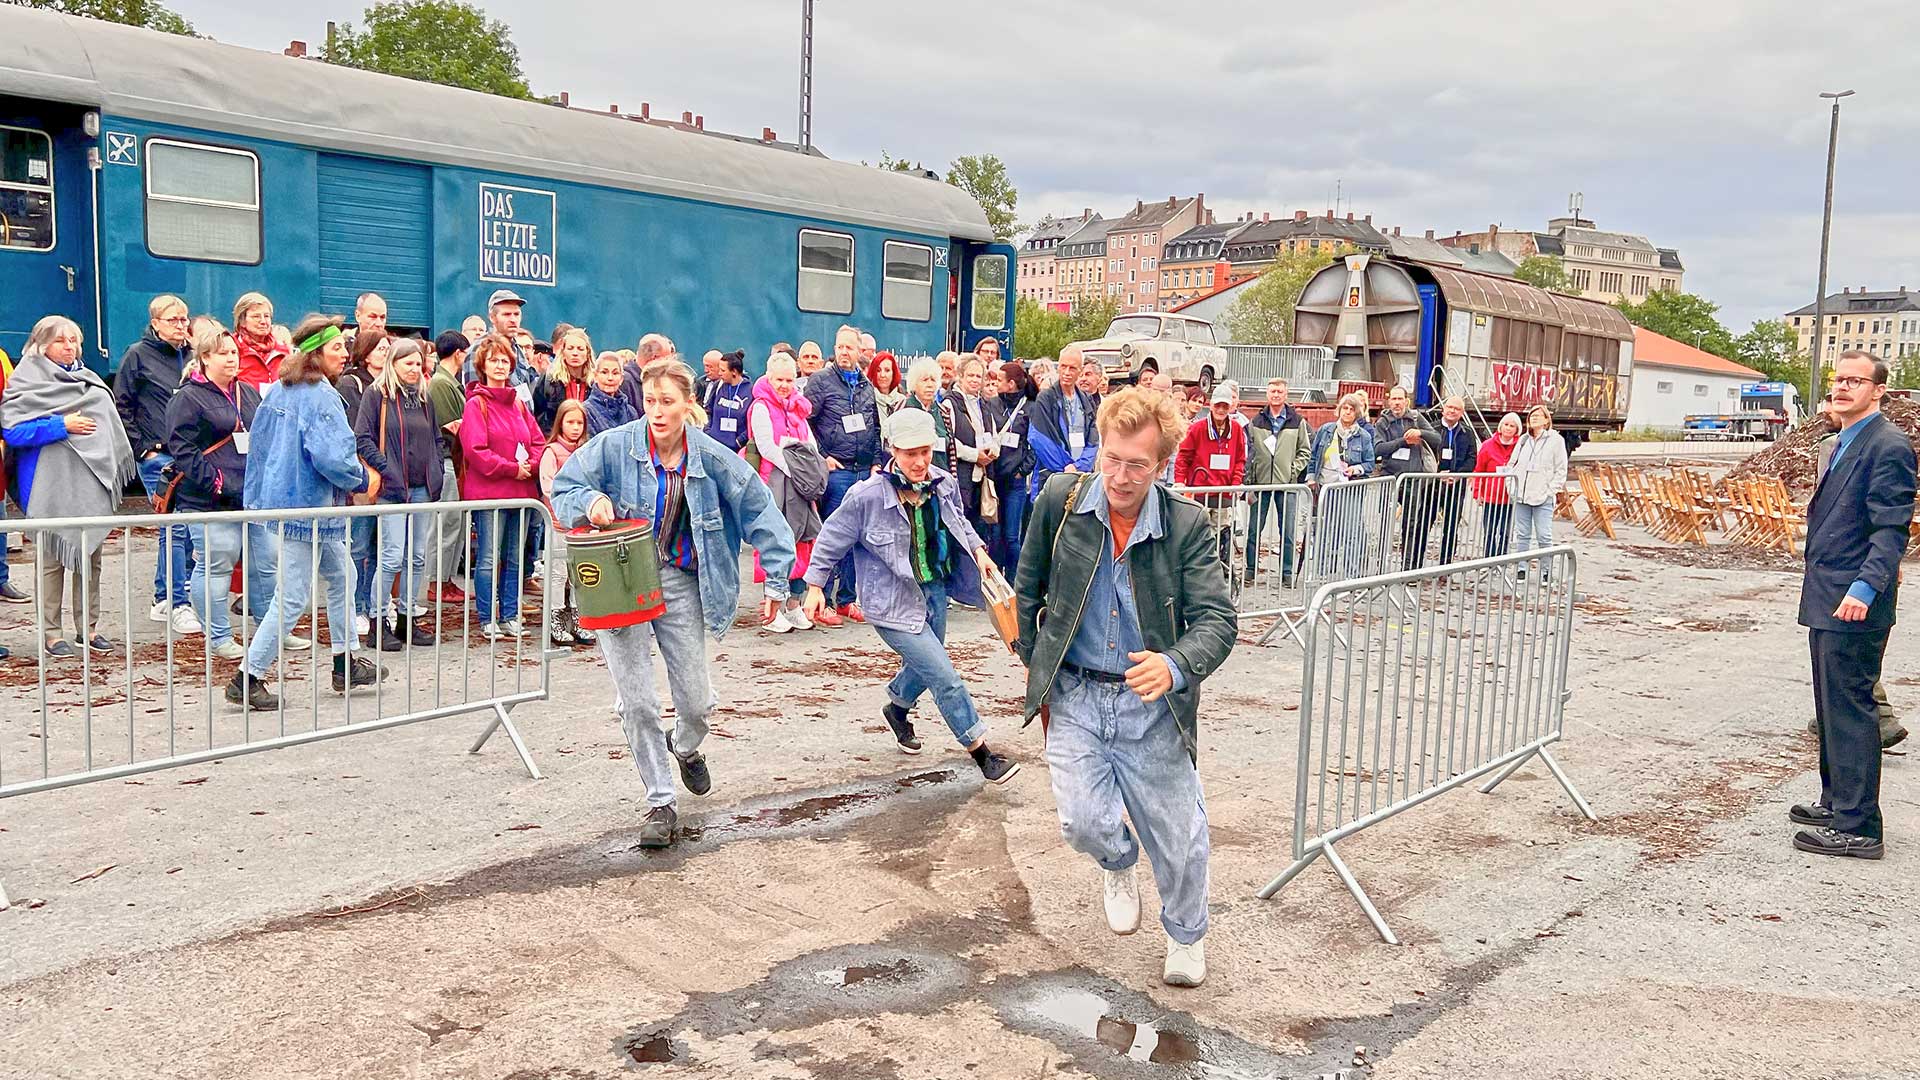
[
  {"x": 788, "y": 418},
  {"x": 494, "y": 430}
]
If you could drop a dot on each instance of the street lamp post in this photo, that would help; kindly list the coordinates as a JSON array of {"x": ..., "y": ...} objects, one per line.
[{"x": 1814, "y": 367}]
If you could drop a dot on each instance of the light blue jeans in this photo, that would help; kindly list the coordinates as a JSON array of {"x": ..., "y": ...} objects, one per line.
[
  {"x": 404, "y": 539},
  {"x": 1110, "y": 753},
  {"x": 172, "y": 565},
  {"x": 291, "y": 594},
  {"x": 216, "y": 547},
  {"x": 680, "y": 633},
  {"x": 496, "y": 565},
  {"x": 1532, "y": 526},
  {"x": 262, "y": 558},
  {"x": 925, "y": 665}
]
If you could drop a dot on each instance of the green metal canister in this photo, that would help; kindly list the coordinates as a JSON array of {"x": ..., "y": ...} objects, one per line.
[{"x": 616, "y": 574}]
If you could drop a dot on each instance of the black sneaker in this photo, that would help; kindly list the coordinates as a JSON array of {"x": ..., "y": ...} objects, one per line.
[
  {"x": 657, "y": 830},
  {"x": 902, "y": 728},
  {"x": 1810, "y": 814},
  {"x": 693, "y": 770},
  {"x": 250, "y": 693},
  {"x": 391, "y": 638},
  {"x": 997, "y": 769},
  {"x": 1831, "y": 842},
  {"x": 365, "y": 673},
  {"x": 420, "y": 632}
]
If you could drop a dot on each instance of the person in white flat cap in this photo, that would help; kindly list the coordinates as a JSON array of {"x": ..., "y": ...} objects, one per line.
[{"x": 912, "y": 550}]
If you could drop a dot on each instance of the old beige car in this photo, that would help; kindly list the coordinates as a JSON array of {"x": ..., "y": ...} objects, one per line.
[{"x": 1138, "y": 345}]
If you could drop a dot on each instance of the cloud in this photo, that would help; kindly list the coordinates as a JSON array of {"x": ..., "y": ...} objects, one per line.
[{"x": 1695, "y": 124}]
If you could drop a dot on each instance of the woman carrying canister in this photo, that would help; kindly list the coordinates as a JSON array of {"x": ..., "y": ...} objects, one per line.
[
  {"x": 703, "y": 501},
  {"x": 569, "y": 432},
  {"x": 501, "y": 442},
  {"x": 1539, "y": 467},
  {"x": 209, "y": 431},
  {"x": 1494, "y": 493},
  {"x": 301, "y": 455},
  {"x": 397, "y": 435}
]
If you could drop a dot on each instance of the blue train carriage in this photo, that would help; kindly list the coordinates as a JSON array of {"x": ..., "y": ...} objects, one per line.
[
  {"x": 134, "y": 163},
  {"x": 1502, "y": 344}
]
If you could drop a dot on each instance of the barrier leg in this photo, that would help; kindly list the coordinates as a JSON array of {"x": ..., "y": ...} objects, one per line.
[
  {"x": 1487, "y": 788},
  {"x": 1288, "y": 874},
  {"x": 501, "y": 721},
  {"x": 1566, "y": 784},
  {"x": 1366, "y": 905}
]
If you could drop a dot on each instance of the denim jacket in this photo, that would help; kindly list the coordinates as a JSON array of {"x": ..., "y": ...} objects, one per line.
[
  {"x": 726, "y": 502},
  {"x": 872, "y": 524},
  {"x": 302, "y": 454}
]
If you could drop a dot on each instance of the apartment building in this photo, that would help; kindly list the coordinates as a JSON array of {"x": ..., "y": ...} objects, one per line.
[
  {"x": 1601, "y": 265},
  {"x": 1036, "y": 270},
  {"x": 1188, "y": 262},
  {"x": 1885, "y": 323},
  {"x": 1080, "y": 261},
  {"x": 1255, "y": 248},
  {"x": 1136, "y": 242}
]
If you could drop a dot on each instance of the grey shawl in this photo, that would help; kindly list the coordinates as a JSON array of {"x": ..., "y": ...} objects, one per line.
[
  {"x": 796, "y": 489},
  {"x": 79, "y": 476}
]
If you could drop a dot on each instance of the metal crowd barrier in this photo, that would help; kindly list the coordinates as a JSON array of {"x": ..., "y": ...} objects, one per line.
[
  {"x": 1418, "y": 682},
  {"x": 155, "y": 699},
  {"x": 1452, "y": 517}
]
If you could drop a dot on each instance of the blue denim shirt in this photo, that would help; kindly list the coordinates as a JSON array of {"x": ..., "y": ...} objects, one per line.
[
  {"x": 1109, "y": 623},
  {"x": 302, "y": 453},
  {"x": 726, "y": 503},
  {"x": 873, "y": 526}
]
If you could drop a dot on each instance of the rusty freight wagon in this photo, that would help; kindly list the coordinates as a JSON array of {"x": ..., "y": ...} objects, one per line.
[{"x": 1500, "y": 343}]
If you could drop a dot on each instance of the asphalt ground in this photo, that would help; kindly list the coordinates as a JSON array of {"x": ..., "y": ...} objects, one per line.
[{"x": 389, "y": 905}]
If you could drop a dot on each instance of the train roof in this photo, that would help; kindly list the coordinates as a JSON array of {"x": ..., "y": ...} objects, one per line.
[
  {"x": 1471, "y": 291},
  {"x": 193, "y": 82}
]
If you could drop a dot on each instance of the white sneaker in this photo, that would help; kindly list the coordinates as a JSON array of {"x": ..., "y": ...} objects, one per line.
[
  {"x": 1186, "y": 964},
  {"x": 229, "y": 650},
  {"x": 185, "y": 622},
  {"x": 160, "y": 612},
  {"x": 295, "y": 643},
  {"x": 799, "y": 619},
  {"x": 417, "y": 611},
  {"x": 490, "y": 631},
  {"x": 361, "y": 625},
  {"x": 1123, "y": 899},
  {"x": 779, "y": 624},
  {"x": 514, "y": 628}
]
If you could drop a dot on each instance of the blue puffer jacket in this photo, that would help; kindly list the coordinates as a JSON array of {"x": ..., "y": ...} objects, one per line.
[
  {"x": 834, "y": 399},
  {"x": 726, "y": 502},
  {"x": 303, "y": 455}
]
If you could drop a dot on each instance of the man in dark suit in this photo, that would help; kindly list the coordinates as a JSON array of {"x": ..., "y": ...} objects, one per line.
[{"x": 1857, "y": 528}]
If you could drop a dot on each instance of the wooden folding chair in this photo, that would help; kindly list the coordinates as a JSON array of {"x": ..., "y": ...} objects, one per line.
[
  {"x": 1600, "y": 509},
  {"x": 1685, "y": 518}
]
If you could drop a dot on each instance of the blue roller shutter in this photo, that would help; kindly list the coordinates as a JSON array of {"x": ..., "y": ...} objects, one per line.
[{"x": 376, "y": 235}]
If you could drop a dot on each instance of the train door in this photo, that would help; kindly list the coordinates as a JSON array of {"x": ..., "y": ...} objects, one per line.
[
  {"x": 986, "y": 296},
  {"x": 46, "y": 221}
]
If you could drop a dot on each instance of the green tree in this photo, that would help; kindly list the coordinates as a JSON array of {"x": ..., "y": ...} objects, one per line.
[
  {"x": 147, "y": 13},
  {"x": 1263, "y": 315},
  {"x": 441, "y": 41},
  {"x": 984, "y": 176},
  {"x": 1683, "y": 317},
  {"x": 1772, "y": 349},
  {"x": 1038, "y": 330},
  {"x": 1545, "y": 272},
  {"x": 1091, "y": 316},
  {"x": 889, "y": 163}
]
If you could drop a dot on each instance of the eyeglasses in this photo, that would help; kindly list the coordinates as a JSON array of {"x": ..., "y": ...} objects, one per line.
[
  {"x": 1126, "y": 470},
  {"x": 1849, "y": 382}
]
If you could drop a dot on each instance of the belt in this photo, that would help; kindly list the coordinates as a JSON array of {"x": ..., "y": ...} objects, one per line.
[{"x": 1091, "y": 675}]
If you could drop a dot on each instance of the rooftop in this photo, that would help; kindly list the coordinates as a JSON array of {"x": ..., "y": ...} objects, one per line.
[
  {"x": 1054, "y": 230},
  {"x": 1202, "y": 241},
  {"x": 1088, "y": 239},
  {"x": 1670, "y": 259},
  {"x": 1851, "y": 300},
  {"x": 1658, "y": 350},
  {"x": 1152, "y": 215},
  {"x": 1261, "y": 234},
  {"x": 1600, "y": 238}
]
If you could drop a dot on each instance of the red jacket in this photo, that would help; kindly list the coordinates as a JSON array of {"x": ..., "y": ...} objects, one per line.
[
  {"x": 1493, "y": 457},
  {"x": 1210, "y": 460},
  {"x": 495, "y": 426}
]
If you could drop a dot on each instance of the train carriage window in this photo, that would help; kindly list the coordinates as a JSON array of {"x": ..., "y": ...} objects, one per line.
[
  {"x": 826, "y": 272},
  {"x": 990, "y": 292},
  {"x": 906, "y": 284},
  {"x": 203, "y": 203},
  {"x": 26, "y": 190}
]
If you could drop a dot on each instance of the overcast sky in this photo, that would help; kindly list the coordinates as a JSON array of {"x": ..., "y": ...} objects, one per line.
[{"x": 1695, "y": 124}]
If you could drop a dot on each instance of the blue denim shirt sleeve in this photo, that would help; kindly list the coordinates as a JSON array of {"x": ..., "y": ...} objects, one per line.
[
  {"x": 1179, "y": 677},
  {"x": 1863, "y": 592},
  {"x": 331, "y": 446},
  {"x": 837, "y": 536},
  {"x": 580, "y": 481}
]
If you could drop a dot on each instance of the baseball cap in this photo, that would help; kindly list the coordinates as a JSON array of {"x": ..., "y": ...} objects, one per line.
[
  {"x": 1225, "y": 392},
  {"x": 505, "y": 296},
  {"x": 910, "y": 429}
]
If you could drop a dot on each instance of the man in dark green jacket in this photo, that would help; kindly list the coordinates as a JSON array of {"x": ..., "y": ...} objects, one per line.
[
  {"x": 1122, "y": 613},
  {"x": 1279, "y": 441}
]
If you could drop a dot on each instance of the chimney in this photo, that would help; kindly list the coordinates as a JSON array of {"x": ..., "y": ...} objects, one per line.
[
  {"x": 1396, "y": 231},
  {"x": 1845, "y": 290},
  {"x": 1138, "y": 206},
  {"x": 1170, "y": 202},
  {"x": 1299, "y": 216},
  {"x": 1263, "y": 217},
  {"x": 687, "y": 118},
  {"x": 614, "y": 109},
  {"x": 700, "y": 122},
  {"x": 646, "y": 111},
  {"x": 1329, "y": 214},
  {"x": 1200, "y": 208},
  {"x": 1903, "y": 290},
  {"x": 297, "y": 50},
  {"x": 1429, "y": 234},
  {"x": 1493, "y": 238},
  {"x": 566, "y": 102},
  {"x": 766, "y": 135},
  {"x": 1086, "y": 214},
  {"x": 1349, "y": 215},
  {"x": 1368, "y": 219}
]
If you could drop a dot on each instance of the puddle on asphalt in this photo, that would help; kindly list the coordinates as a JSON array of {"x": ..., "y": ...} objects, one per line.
[
  {"x": 798, "y": 815},
  {"x": 1089, "y": 1014},
  {"x": 649, "y": 1048},
  {"x": 856, "y": 974}
]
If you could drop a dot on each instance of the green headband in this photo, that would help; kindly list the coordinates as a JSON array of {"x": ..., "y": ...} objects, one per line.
[{"x": 319, "y": 339}]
